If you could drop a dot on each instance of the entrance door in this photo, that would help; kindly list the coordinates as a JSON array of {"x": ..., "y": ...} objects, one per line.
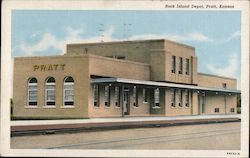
[
  {"x": 203, "y": 103},
  {"x": 125, "y": 101}
]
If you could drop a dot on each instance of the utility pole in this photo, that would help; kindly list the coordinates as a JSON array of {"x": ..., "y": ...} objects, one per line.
[
  {"x": 126, "y": 30},
  {"x": 101, "y": 32}
]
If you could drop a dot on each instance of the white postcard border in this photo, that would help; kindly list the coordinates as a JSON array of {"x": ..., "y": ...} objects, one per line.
[{"x": 8, "y": 6}]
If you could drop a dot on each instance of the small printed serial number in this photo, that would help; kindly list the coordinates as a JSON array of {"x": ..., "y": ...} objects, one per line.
[{"x": 233, "y": 153}]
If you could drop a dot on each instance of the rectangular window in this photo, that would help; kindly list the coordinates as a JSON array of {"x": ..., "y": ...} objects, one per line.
[
  {"x": 232, "y": 110},
  {"x": 117, "y": 96},
  {"x": 96, "y": 95},
  {"x": 50, "y": 93},
  {"x": 224, "y": 85},
  {"x": 32, "y": 94},
  {"x": 187, "y": 98},
  {"x": 203, "y": 102},
  {"x": 187, "y": 66},
  {"x": 145, "y": 95},
  {"x": 216, "y": 110},
  {"x": 135, "y": 96},
  {"x": 121, "y": 57},
  {"x": 180, "y": 65},
  {"x": 107, "y": 95},
  {"x": 109, "y": 56},
  {"x": 173, "y": 64},
  {"x": 173, "y": 97},
  {"x": 180, "y": 98},
  {"x": 157, "y": 97},
  {"x": 69, "y": 93}
]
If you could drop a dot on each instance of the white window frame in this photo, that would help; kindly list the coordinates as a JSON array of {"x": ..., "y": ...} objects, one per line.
[
  {"x": 173, "y": 64},
  {"x": 187, "y": 99},
  {"x": 135, "y": 97},
  {"x": 157, "y": 99},
  {"x": 107, "y": 96},
  {"x": 232, "y": 110},
  {"x": 64, "y": 92},
  {"x": 145, "y": 95},
  {"x": 215, "y": 110},
  {"x": 46, "y": 92},
  {"x": 187, "y": 66},
  {"x": 173, "y": 97},
  {"x": 180, "y": 65},
  {"x": 117, "y": 96},
  {"x": 96, "y": 87},
  {"x": 30, "y": 90},
  {"x": 180, "y": 97}
]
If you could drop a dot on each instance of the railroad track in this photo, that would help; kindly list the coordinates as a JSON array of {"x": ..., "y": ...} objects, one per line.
[{"x": 130, "y": 142}]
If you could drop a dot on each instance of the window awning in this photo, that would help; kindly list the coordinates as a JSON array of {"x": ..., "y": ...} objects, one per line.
[{"x": 161, "y": 84}]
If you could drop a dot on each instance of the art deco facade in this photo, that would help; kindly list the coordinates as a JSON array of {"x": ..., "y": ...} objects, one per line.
[{"x": 114, "y": 79}]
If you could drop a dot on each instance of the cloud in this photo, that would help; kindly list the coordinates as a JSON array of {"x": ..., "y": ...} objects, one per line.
[
  {"x": 106, "y": 36},
  {"x": 49, "y": 40},
  {"x": 231, "y": 70},
  {"x": 35, "y": 34},
  {"x": 73, "y": 32},
  {"x": 194, "y": 36},
  {"x": 232, "y": 36}
]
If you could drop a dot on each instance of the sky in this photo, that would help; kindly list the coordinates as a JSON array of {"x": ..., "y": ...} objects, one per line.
[{"x": 214, "y": 34}]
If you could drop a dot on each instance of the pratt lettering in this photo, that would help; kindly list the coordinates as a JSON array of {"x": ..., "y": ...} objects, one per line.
[
  {"x": 55, "y": 66},
  {"x": 35, "y": 67},
  {"x": 43, "y": 67},
  {"x": 62, "y": 66},
  {"x": 50, "y": 67}
]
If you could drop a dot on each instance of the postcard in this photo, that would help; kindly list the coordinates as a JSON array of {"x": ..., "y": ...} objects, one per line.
[{"x": 125, "y": 78}]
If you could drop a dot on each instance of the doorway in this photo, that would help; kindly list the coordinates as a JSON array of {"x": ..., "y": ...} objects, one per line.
[
  {"x": 125, "y": 101},
  {"x": 202, "y": 103}
]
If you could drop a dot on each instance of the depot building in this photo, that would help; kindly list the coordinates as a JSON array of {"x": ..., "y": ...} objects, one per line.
[{"x": 116, "y": 79}]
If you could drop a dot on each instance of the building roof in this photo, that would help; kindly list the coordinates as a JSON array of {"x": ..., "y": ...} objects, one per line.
[
  {"x": 133, "y": 41},
  {"x": 212, "y": 75},
  {"x": 161, "y": 84}
]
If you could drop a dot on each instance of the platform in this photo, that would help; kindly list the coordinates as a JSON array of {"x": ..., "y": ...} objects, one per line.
[{"x": 34, "y": 127}]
